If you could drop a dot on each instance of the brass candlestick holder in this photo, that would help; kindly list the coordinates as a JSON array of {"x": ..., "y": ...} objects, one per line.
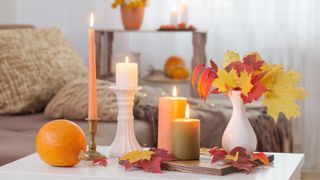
[{"x": 92, "y": 154}]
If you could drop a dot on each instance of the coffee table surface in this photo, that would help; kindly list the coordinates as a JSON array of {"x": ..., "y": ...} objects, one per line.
[{"x": 286, "y": 166}]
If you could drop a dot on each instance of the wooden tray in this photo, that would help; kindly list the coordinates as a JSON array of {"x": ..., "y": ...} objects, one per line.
[
  {"x": 202, "y": 166},
  {"x": 157, "y": 76}
]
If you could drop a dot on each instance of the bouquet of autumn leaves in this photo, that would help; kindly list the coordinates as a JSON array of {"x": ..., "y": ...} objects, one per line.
[{"x": 254, "y": 78}]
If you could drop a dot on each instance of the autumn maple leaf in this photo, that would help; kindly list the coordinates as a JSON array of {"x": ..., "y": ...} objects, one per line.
[
  {"x": 195, "y": 73},
  {"x": 149, "y": 160},
  {"x": 217, "y": 154},
  {"x": 256, "y": 91},
  {"x": 262, "y": 158},
  {"x": 136, "y": 156},
  {"x": 245, "y": 83},
  {"x": 226, "y": 80},
  {"x": 258, "y": 56},
  {"x": 230, "y": 57},
  {"x": 283, "y": 93},
  {"x": 153, "y": 166},
  {"x": 100, "y": 161}
]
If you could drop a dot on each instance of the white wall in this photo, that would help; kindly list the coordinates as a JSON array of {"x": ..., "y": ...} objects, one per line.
[{"x": 7, "y": 11}]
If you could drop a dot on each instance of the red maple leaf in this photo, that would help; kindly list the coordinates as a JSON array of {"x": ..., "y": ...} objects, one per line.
[
  {"x": 208, "y": 84},
  {"x": 202, "y": 81},
  {"x": 165, "y": 156},
  {"x": 247, "y": 166},
  {"x": 100, "y": 161},
  {"x": 153, "y": 166},
  {"x": 257, "y": 90},
  {"x": 250, "y": 64},
  {"x": 217, "y": 154},
  {"x": 238, "y": 66},
  {"x": 260, "y": 156},
  {"x": 214, "y": 66},
  {"x": 195, "y": 73}
]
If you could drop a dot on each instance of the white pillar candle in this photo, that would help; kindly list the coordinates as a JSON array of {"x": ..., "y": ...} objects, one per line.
[
  {"x": 127, "y": 74},
  {"x": 184, "y": 12},
  {"x": 174, "y": 17}
]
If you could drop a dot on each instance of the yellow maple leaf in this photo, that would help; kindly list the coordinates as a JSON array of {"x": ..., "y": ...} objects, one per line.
[
  {"x": 231, "y": 157},
  {"x": 272, "y": 70},
  {"x": 226, "y": 80},
  {"x": 136, "y": 156},
  {"x": 245, "y": 82},
  {"x": 230, "y": 57},
  {"x": 283, "y": 93}
]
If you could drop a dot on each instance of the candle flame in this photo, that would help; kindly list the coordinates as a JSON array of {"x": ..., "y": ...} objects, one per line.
[
  {"x": 127, "y": 59},
  {"x": 187, "y": 115},
  {"x": 174, "y": 91},
  {"x": 91, "y": 20}
]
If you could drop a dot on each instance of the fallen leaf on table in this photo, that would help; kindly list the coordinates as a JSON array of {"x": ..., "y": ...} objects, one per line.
[
  {"x": 100, "y": 161},
  {"x": 149, "y": 161},
  {"x": 230, "y": 157},
  {"x": 136, "y": 156},
  {"x": 262, "y": 158},
  {"x": 218, "y": 154}
]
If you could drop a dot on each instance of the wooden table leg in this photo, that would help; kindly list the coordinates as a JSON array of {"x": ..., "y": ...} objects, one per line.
[
  {"x": 199, "y": 40},
  {"x": 109, "y": 52}
]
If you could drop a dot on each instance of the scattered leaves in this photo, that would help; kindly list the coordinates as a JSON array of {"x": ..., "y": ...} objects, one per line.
[
  {"x": 238, "y": 158},
  {"x": 149, "y": 160}
]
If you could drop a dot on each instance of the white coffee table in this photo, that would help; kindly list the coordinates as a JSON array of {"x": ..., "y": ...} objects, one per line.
[{"x": 286, "y": 166}]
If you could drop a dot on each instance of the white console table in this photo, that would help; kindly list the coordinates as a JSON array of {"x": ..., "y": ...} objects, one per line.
[{"x": 285, "y": 166}]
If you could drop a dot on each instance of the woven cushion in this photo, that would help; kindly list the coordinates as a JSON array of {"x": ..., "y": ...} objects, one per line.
[
  {"x": 71, "y": 102},
  {"x": 34, "y": 65}
]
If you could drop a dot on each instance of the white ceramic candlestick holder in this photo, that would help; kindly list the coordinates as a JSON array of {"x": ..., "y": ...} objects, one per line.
[{"x": 125, "y": 140}]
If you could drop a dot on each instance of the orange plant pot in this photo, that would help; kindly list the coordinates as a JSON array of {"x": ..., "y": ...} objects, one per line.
[{"x": 132, "y": 18}]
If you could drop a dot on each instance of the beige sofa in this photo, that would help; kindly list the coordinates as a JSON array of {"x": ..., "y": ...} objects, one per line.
[{"x": 18, "y": 133}]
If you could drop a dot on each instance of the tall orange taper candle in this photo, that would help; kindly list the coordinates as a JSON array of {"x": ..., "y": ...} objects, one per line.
[
  {"x": 92, "y": 110},
  {"x": 170, "y": 108}
]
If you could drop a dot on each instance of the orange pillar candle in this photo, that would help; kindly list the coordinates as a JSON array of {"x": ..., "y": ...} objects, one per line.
[
  {"x": 170, "y": 108},
  {"x": 186, "y": 138},
  {"x": 92, "y": 110}
]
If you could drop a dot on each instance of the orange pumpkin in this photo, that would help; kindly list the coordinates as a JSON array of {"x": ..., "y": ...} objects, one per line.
[
  {"x": 171, "y": 63},
  {"x": 59, "y": 143},
  {"x": 180, "y": 72}
]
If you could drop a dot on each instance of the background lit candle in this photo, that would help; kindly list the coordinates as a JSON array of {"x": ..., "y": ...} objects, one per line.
[
  {"x": 92, "y": 109},
  {"x": 170, "y": 108},
  {"x": 186, "y": 138},
  {"x": 184, "y": 12},
  {"x": 174, "y": 16},
  {"x": 127, "y": 74}
]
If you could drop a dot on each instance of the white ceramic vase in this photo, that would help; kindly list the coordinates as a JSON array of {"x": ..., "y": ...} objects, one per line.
[{"x": 239, "y": 131}]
